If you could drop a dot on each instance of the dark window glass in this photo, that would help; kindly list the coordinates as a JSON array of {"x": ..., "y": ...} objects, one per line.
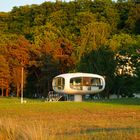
[
  {"x": 79, "y": 83},
  {"x": 58, "y": 83},
  {"x": 76, "y": 83}
]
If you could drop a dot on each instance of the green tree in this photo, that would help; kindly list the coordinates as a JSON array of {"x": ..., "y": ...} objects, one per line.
[
  {"x": 112, "y": 17},
  {"x": 123, "y": 11},
  {"x": 4, "y": 17},
  {"x": 100, "y": 61},
  {"x": 133, "y": 21},
  {"x": 93, "y": 36},
  {"x": 125, "y": 48}
]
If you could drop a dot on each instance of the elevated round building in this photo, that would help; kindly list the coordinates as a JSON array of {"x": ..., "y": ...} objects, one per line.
[{"x": 78, "y": 84}]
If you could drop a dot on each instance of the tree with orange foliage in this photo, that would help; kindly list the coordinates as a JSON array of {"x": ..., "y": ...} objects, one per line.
[
  {"x": 16, "y": 52},
  {"x": 4, "y": 76}
]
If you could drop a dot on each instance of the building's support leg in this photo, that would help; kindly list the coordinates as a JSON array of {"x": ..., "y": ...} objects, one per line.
[{"x": 78, "y": 98}]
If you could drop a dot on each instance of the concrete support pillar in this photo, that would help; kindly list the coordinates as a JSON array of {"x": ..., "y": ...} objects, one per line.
[{"x": 78, "y": 98}]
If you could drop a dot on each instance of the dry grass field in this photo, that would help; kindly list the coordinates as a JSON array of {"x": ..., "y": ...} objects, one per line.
[{"x": 99, "y": 120}]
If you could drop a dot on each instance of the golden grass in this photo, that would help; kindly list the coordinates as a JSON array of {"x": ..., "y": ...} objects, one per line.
[{"x": 68, "y": 120}]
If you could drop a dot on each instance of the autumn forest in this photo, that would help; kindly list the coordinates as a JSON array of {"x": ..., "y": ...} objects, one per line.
[{"x": 99, "y": 36}]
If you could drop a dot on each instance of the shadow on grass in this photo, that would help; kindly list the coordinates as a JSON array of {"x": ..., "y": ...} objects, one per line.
[
  {"x": 106, "y": 130},
  {"x": 122, "y": 101},
  {"x": 129, "y": 129}
]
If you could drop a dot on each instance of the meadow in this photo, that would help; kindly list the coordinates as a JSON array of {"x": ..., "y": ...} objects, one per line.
[{"x": 96, "y": 120}]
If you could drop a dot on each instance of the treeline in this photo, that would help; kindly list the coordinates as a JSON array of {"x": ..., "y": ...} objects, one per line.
[{"x": 97, "y": 36}]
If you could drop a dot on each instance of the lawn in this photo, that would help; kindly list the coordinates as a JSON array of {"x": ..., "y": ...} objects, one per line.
[{"x": 98, "y": 120}]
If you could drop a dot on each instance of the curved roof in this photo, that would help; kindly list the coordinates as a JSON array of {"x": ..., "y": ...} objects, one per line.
[{"x": 78, "y": 74}]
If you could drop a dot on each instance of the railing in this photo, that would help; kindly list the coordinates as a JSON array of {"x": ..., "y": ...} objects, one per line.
[{"x": 52, "y": 96}]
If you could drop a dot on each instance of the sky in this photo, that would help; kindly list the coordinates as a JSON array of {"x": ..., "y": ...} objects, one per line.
[{"x": 7, "y": 5}]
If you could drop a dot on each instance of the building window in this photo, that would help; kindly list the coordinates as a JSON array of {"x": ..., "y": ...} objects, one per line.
[
  {"x": 79, "y": 83},
  {"x": 76, "y": 83},
  {"x": 58, "y": 83},
  {"x": 95, "y": 82}
]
